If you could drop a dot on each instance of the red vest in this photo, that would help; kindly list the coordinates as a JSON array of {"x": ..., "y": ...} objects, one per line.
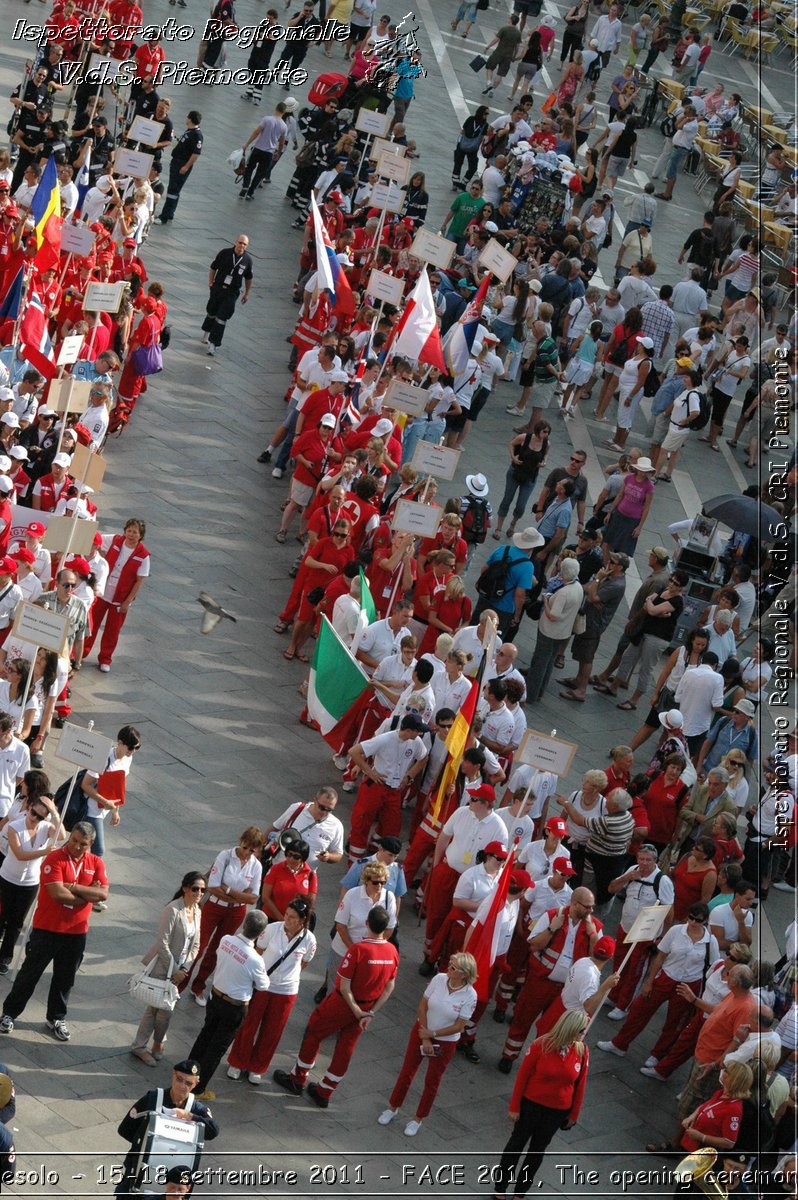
[
  {"x": 51, "y": 493},
  {"x": 544, "y": 961},
  {"x": 130, "y": 570}
]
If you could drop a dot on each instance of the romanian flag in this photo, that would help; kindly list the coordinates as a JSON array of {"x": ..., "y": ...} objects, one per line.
[
  {"x": 45, "y": 208},
  {"x": 457, "y": 740}
]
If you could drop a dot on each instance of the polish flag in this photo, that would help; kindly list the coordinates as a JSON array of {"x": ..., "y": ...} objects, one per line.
[{"x": 417, "y": 335}]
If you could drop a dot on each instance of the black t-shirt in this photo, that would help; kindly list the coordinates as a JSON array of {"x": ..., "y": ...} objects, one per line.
[
  {"x": 663, "y": 627},
  {"x": 700, "y": 247},
  {"x": 579, "y": 482},
  {"x": 145, "y": 104},
  {"x": 233, "y": 267},
  {"x": 188, "y": 144}
]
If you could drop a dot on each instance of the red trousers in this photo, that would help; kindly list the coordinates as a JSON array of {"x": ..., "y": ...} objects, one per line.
[
  {"x": 114, "y": 620},
  {"x": 217, "y": 920},
  {"x": 432, "y": 1080},
  {"x": 674, "y": 1055},
  {"x": 440, "y": 890},
  {"x": 623, "y": 995},
  {"x": 548, "y": 1019},
  {"x": 663, "y": 991},
  {"x": 450, "y": 937},
  {"x": 292, "y": 603},
  {"x": 536, "y": 995},
  {"x": 514, "y": 972},
  {"x": 259, "y": 1036},
  {"x": 421, "y": 847},
  {"x": 377, "y": 805},
  {"x": 332, "y": 1016},
  {"x": 470, "y": 1032}
]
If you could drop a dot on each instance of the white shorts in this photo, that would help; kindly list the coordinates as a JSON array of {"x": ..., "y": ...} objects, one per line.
[
  {"x": 578, "y": 372},
  {"x": 301, "y": 493},
  {"x": 626, "y": 413},
  {"x": 675, "y": 439}
]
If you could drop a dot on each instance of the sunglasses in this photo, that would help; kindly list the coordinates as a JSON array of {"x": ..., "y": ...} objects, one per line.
[
  {"x": 69, "y": 586},
  {"x": 342, "y": 534},
  {"x": 323, "y": 808},
  {"x": 198, "y": 889},
  {"x": 698, "y": 920},
  {"x": 576, "y": 460},
  {"x": 40, "y": 816}
]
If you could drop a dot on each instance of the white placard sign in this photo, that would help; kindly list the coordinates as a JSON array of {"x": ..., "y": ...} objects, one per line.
[
  {"x": 390, "y": 166},
  {"x": 40, "y": 626},
  {"x": 69, "y": 395},
  {"x": 77, "y": 239},
  {"x": 84, "y": 749},
  {"x": 406, "y": 398},
  {"x": 387, "y": 196},
  {"x": 421, "y": 520},
  {"x": 383, "y": 146},
  {"x": 498, "y": 261},
  {"x": 104, "y": 297},
  {"x": 72, "y": 532},
  {"x": 70, "y": 349},
  {"x": 432, "y": 248},
  {"x": 374, "y": 123},
  {"x": 146, "y": 131},
  {"x": 135, "y": 163},
  {"x": 386, "y": 288},
  {"x": 439, "y": 461},
  {"x": 648, "y": 923},
  {"x": 108, "y": 68},
  {"x": 87, "y": 467},
  {"x": 21, "y": 518},
  {"x": 545, "y": 753}
]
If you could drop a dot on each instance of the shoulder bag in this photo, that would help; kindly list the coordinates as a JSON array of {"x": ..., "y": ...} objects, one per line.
[{"x": 155, "y": 993}]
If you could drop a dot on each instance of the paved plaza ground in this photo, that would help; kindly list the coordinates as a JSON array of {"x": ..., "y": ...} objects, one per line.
[{"x": 222, "y": 746}]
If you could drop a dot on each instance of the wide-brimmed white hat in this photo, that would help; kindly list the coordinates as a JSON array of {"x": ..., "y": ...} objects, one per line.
[
  {"x": 645, "y": 465},
  {"x": 672, "y": 719},
  {"x": 477, "y": 485},
  {"x": 528, "y": 539}
]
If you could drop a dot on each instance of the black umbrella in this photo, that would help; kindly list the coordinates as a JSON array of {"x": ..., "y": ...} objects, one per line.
[{"x": 745, "y": 514}]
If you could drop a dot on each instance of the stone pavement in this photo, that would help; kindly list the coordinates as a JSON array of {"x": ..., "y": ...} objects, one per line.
[{"x": 222, "y": 747}]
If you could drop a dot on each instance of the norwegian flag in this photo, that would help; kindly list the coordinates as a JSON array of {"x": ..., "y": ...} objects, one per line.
[{"x": 459, "y": 340}]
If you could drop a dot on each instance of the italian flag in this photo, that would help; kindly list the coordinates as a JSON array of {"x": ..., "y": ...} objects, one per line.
[{"x": 336, "y": 683}]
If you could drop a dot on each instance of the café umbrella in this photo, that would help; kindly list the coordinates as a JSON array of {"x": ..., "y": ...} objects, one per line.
[{"x": 746, "y": 514}]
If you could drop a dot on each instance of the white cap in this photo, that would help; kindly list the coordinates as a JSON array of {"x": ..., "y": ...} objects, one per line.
[
  {"x": 6, "y": 485},
  {"x": 6, "y": 394},
  {"x": 18, "y": 452},
  {"x": 62, "y": 460},
  {"x": 646, "y": 342},
  {"x": 382, "y": 427},
  {"x": 491, "y": 227},
  {"x": 344, "y": 260},
  {"x": 85, "y": 490},
  {"x": 11, "y": 419},
  {"x": 329, "y": 420},
  {"x": 5, "y": 463},
  {"x": 535, "y": 285},
  {"x": 338, "y": 376}
]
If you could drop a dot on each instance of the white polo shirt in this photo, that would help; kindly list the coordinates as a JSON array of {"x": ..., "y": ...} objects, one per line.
[
  {"x": 379, "y": 640},
  {"x": 273, "y": 943},
  {"x": 544, "y": 785},
  {"x": 392, "y": 757},
  {"x": 505, "y": 925},
  {"x": 475, "y": 884},
  {"x": 469, "y": 835},
  {"x": 542, "y": 897},
  {"x": 321, "y": 836},
  {"x": 229, "y": 871},
  {"x": 445, "y": 1007},
  {"x": 686, "y": 958},
  {"x": 239, "y": 968},
  {"x": 538, "y": 862},
  {"x": 581, "y": 983},
  {"x": 353, "y": 912},
  {"x": 499, "y": 726},
  {"x": 723, "y": 916},
  {"x": 451, "y": 694},
  {"x": 715, "y": 987}
]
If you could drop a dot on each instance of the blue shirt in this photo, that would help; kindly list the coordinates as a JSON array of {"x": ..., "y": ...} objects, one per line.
[
  {"x": 667, "y": 393},
  {"x": 724, "y": 737},
  {"x": 520, "y": 575},
  {"x": 86, "y": 372},
  {"x": 396, "y": 877},
  {"x": 15, "y": 366},
  {"x": 557, "y": 516}
]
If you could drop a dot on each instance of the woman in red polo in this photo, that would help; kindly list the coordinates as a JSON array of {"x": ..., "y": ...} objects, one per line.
[
  {"x": 431, "y": 586},
  {"x": 717, "y": 1123},
  {"x": 323, "y": 563},
  {"x": 287, "y": 880},
  {"x": 312, "y": 451},
  {"x": 664, "y": 800},
  {"x": 128, "y": 566}
]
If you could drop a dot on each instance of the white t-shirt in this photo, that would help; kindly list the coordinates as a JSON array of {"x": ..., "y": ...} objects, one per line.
[
  {"x": 379, "y": 640},
  {"x": 542, "y": 897},
  {"x": 640, "y": 893},
  {"x": 114, "y": 764},
  {"x": 475, "y": 884},
  {"x": 699, "y": 693},
  {"x": 685, "y": 405},
  {"x": 581, "y": 983},
  {"x": 353, "y": 912},
  {"x": 517, "y": 827},
  {"x": 538, "y": 862},
  {"x": 26, "y": 872},
  {"x": 229, "y": 871},
  {"x": 445, "y": 1007},
  {"x": 274, "y": 942},
  {"x": 321, "y": 836},
  {"x": 31, "y": 587},
  {"x": 469, "y": 835},
  {"x": 499, "y": 726},
  {"x": 14, "y": 762},
  {"x": 96, "y": 419},
  {"x": 393, "y": 758},
  {"x": 544, "y": 785},
  {"x": 114, "y": 576}
]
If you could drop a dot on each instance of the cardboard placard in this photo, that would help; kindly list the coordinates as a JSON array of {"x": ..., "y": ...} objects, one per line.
[
  {"x": 104, "y": 297},
  {"x": 69, "y": 531},
  {"x": 135, "y": 163},
  {"x": 391, "y": 166},
  {"x": 439, "y": 461},
  {"x": 88, "y": 468},
  {"x": 70, "y": 349},
  {"x": 84, "y": 749},
  {"x": 20, "y": 520},
  {"x": 69, "y": 395},
  {"x": 422, "y": 520},
  {"x": 40, "y": 626},
  {"x": 77, "y": 239},
  {"x": 648, "y": 923},
  {"x": 432, "y": 248},
  {"x": 385, "y": 288},
  {"x": 546, "y": 753},
  {"x": 498, "y": 261},
  {"x": 146, "y": 131},
  {"x": 373, "y": 123},
  {"x": 383, "y": 146},
  {"x": 406, "y": 398},
  {"x": 387, "y": 196},
  {"x": 107, "y": 67}
]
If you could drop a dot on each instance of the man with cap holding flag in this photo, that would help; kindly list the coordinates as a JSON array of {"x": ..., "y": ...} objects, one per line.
[
  {"x": 178, "y": 1102},
  {"x": 583, "y": 987}
]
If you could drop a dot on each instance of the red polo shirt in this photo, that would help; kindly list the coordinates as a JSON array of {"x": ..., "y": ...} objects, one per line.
[
  {"x": 60, "y": 867},
  {"x": 369, "y": 966},
  {"x": 286, "y": 884}
]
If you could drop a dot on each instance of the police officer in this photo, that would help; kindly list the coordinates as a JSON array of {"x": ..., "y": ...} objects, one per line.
[
  {"x": 178, "y": 1102},
  {"x": 184, "y": 156},
  {"x": 229, "y": 270}
]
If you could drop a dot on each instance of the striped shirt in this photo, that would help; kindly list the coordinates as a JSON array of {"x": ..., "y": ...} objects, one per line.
[{"x": 610, "y": 834}]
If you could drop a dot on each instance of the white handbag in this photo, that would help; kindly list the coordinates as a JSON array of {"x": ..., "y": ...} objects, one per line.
[{"x": 155, "y": 993}]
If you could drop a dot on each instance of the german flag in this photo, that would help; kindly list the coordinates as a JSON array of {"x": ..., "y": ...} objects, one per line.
[{"x": 457, "y": 740}]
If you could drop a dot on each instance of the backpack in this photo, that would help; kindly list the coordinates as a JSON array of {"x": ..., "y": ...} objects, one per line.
[
  {"x": 620, "y": 352},
  {"x": 475, "y": 521},
  {"x": 77, "y": 806},
  {"x": 668, "y": 126},
  {"x": 492, "y": 583},
  {"x": 652, "y": 384},
  {"x": 701, "y": 418}
]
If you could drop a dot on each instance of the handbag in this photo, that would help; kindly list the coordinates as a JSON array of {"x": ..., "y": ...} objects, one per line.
[
  {"x": 147, "y": 360},
  {"x": 154, "y": 993},
  {"x": 477, "y": 63}
]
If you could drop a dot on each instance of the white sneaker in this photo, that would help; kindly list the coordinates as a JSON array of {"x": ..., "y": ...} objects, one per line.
[
  {"x": 349, "y": 786},
  {"x": 211, "y": 352},
  {"x": 202, "y": 1001},
  {"x": 205, "y": 339},
  {"x": 340, "y": 761},
  {"x": 652, "y": 1073},
  {"x": 616, "y": 1014},
  {"x": 783, "y": 886},
  {"x": 412, "y": 1128},
  {"x": 255, "y": 1078},
  {"x": 233, "y": 1073},
  {"x": 277, "y": 473},
  {"x": 104, "y": 667},
  {"x": 651, "y": 1061},
  {"x": 387, "y": 1116},
  {"x": 100, "y": 906},
  {"x": 611, "y": 1048},
  {"x": 515, "y": 411},
  {"x": 6, "y": 1024}
]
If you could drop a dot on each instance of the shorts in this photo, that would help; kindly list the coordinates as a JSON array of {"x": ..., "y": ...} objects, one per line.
[
  {"x": 675, "y": 439},
  {"x": 456, "y": 423},
  {"x": 617, "y": 166},
  {"x": 500, "y": 65},
  {"x": 301, "y": 493},
  {"x": 527, "y": 71},
  {"x": 662, "y": 426},
  {"x": 611, "y": 369},
  {"x": 584, "y": 647},
  {"x": 733, "y": 293},
  {"x": 578, "y": 372},
  {"x": 720, "y": 406},
  {"x": 543, "y": 395}
]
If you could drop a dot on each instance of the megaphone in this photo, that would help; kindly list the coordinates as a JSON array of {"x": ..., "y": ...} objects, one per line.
[
  {"x": 696, "y": 1169},
  {"x": 288, "y": 839}
]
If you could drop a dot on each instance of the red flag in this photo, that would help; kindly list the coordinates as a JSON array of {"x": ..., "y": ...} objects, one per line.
[
  {"x": 483, "y": 944},
  {"x": 417, "y": 334},
  {"x": 49, "y": 253}
]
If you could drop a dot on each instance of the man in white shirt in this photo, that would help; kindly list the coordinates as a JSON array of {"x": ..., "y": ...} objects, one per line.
[
  {"x": 520, "y": 129},
  {"x": 689, "y": 299},
  {"x": 238, "y": 974},
  {"x": 385, "y": 637},
  {"x": 594, "y": 227},
  {"x": 683, "y": 139},
  {"x": 14, "y": 762},
  {"x": 470, "y": 640},
  {"x": 607, "y": 33},
  {"x": 499, "y": 724},
  {"x": 741, "y": 582},
  {"x": 397, "y": 758},
  {"x": 96, "y": 416},
  {"x": 762, "y": 1033},
  {"x": 644, "y": 885},
  {"x": 541, "y": 785},
  {"x": 699, "y": 695},
  {"x": 68, "y": 190},
  {"x": 316, "y": 823},
  {"x": 503, "y": 666},
  {"x": 347, "y": 620},
  {"x": 733, "y": 922},
  {"x": 494, "y": 181},
  {"x": 313, "y": 371}
]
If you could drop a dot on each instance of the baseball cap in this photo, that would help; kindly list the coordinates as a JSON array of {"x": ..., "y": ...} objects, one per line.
[
  {"x": 11, "y": 419},
  {"x": 46, "y": 412},
  {"x": 335, "y": 196},
  {"x": 79, "y": 565},
  {"x": 5, "y": 463},
  {"x": 23, "y": 554},
  {"x": 495, "y": 848},
  {"x": 8, "y": 566},
  {"x": 382, "y": 427},
  {"x": 660, "y": 553},
  {"x": 647, "y": 342},
  {"x": 604, "y": 947},
  {"x": 618, "y": 556},
  {"x": 464, "y": 283},
  {"x": 484, "y": 792},
  {"x": 6, "y": 395},
  {"x": 491, "y": 227},
  {"x": 645, "y": 221},
  {"x": 129, "y": 242},
  {"x": 392, "y": 844},
  {"x": 36, "y": 529},
  {"x": 535, "y": 285},
  {"x": 98, "y": 540},
  {"x": 557, "y": 826},
  {"x": 563, "y": 866},
  {"x": 18, "y": 452},
  {"x": 62, "y": 460},
  {"x": 684, "y": 362},
  {"x": 6, "y": 485},
  {"x": 328, "y": 420},
  {"x": 338, "y": 377},
  {"x": 520, "y": 880}
]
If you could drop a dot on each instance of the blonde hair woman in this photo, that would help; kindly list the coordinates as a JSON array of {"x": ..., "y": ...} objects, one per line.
[
  {"x": 443, "y": 1013},
  {"x": 735, "y": 763},
  {"x": 449, "y": 611},
  {"x": 547, "y": 1096},
  {"x": 350, "y": 918}
]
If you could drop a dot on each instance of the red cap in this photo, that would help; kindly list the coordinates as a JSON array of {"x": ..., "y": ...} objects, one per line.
[
  {"x": 604, "y": 947},
  {"x": 79, "y": 565},
  {"x": 335, "y": 196},
  {"x": 36, "y": 529},
  {"x": 23, "y": 554},
  {"x": 496, "y": 849},
  {"x": 557, "y": 826},
  {"x": 8, "y": 566},
  {"x": 11, "y": 209},
  {"x": 98, "y": 540},
  {"x": 130, "y": 242},
  {"x": 483, "y": 792},
  {"x": 520, "y": 880},
  {"x": 563, "y": 866}
]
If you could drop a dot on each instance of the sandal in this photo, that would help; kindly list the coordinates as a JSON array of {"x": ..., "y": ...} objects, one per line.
[
  {"x": 664, "y": 479},
  {"x": 603, "y": 687},
  {"x": 627, "y": 706},
  {"x": 280, "y": 536},
  {"x": 732, "y": 442},
  {"x": 303, "y": 658},
  {"x": 282, "y": 626},
  {"x": 497, "y": 534},
  {"x": 559, "y": 662},
  {"x": 288, "y": 655}
]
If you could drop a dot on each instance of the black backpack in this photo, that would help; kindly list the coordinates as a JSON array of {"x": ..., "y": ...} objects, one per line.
[
  {"x": 492, "y": 583},
  {"x": 701, "y": 418},
  {"x": 77, "y": 806},
  {"x": 475, "y": 521}
]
